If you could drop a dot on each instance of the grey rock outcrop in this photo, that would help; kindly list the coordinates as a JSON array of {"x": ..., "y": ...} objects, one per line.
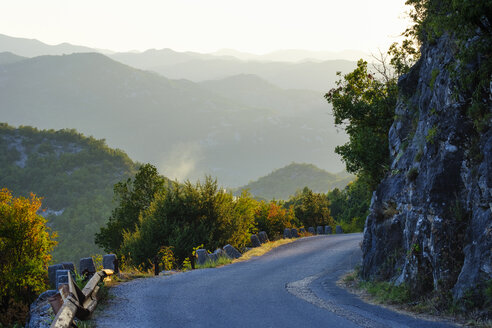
[
  {"x": 338, "y": 229},
  {"x": 60, "y": 266},
  {"x": 294, "y": 233},
  {"x": 287, "y": 233},
  {"x": 110, "y": 262},
  {"x": 319, "y": 230},
  {"x": 328, "y": 230},
  {"x": 202, "y": 256},
  {"x": 40, "y": 312},
  {"x": 213, "y": 257},
  {"x": 232, "y": 252},
  {"x": 62, "y": 277},
  {"x": 430, "y": 221},
  {"x": 255, "y": 242},
  {"x": 262, "y": 235},
  {"x": 87, "y": 267}
]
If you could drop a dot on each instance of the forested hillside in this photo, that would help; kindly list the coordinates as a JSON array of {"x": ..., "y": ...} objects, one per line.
[
  {"x": 73, "y": 174},
  {"x": 187, "y": 129},
  {"x": 285, "y": 182}
]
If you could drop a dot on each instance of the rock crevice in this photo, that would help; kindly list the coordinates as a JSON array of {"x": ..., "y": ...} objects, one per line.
[{"x": 430, "y": 221}]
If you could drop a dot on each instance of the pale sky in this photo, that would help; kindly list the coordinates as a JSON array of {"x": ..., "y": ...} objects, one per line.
[{"x": 257, "y": 26}]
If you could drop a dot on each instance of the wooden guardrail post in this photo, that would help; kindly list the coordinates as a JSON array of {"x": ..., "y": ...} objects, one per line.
[{"x": 79, "y": 303}]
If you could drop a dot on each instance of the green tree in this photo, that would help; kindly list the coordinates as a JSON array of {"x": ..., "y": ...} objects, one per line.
[
  {"x": 133, "y": 196},
  {"x": 273, "y": 218},
  {"x": 311, "y": 209},
  {"x": 187, "y": 215},
  {"x": 350, "y": 206},
  {"x": 25, "y": 246},
  {"x": 364, "y": 106}
]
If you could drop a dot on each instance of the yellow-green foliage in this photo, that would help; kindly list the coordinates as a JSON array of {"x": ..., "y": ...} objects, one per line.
[
  {"x": 222, "y": 260},
  {"x": 25, "y": 246},
  {"x": 272, "y": 218},
  {"x": 186, "y": 215}
]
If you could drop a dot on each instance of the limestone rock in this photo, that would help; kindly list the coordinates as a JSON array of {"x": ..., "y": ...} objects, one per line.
[
  {"x": 40, "y": 313},
  {"x": 213, "y": 257},
  {"x": 60, "y": 266},
  {"x": 328, "y": 230},
  {"x": 110, "y": 262},
  {"x": 87, "y": 267},
  {"x": 433, "y": 228},
  {"x": 232, "y": 252},
  {"x": 262, "y": 235},
  {"x": 311, "y": 230},
  {"x": 319, "y": 230},
  {"x": 338, "y": 229},
  {"x": 202, "y": 256},
  {"x": 255, "y": 242},
  {"x": 287, "y": 233}
]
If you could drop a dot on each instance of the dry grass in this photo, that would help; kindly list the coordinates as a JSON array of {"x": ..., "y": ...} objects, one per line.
[
  {"x": 263, "y": 249},
  {"x": 396, "y": 299}
]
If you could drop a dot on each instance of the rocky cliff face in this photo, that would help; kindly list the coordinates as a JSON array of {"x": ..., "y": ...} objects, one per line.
[{"x": 430, "y": 223}]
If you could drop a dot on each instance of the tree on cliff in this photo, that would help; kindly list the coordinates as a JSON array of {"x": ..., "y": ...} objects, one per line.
[
  {"x": 364, "y": 105},
  {"x": 25, "y": 246}
]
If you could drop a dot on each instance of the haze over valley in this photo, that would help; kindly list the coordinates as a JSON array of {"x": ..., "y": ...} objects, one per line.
[{"x": 189, "y": 114}]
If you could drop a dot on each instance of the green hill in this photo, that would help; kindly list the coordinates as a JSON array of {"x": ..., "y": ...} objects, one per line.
[
  {"x": 284, "y": 182},
  {"x": 75, "y": 176},
  {"x": 183, "y": 128}
]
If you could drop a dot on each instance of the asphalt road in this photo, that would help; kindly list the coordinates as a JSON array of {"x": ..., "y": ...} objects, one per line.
[{"x": 291, "y": 286}]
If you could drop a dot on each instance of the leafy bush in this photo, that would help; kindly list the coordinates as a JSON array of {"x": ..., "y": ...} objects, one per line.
[
  {"x": 25, "y": 246},
  {"x": 186, "y": 215},
  {"x": 311, "y": 209},
  {"x": 134, "y": 196},
  {"x": 273, "y": 218},
  {"x": 350, "y": 206}
]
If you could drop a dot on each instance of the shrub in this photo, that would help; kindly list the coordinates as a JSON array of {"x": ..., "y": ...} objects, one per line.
[
  {"x": 186, "y": 215},
  {"x": 273, "y": 218},
  {"x": 25, "y": 246}
]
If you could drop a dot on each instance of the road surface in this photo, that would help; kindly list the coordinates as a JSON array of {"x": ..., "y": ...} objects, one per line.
[{"x": 291, "y": 286}]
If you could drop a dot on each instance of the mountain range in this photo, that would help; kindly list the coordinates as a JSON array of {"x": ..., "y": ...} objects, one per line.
[{"x": 235, "y": 127}]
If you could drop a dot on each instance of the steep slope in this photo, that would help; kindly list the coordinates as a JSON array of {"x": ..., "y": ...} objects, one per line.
[
  {"x": 74, "y": 175},
  {"x": 284, "y": 182},
  {"x": 179, "y": 126},
  {"x": 430, "y": 222},
  {"x": 32, "y": 47}
]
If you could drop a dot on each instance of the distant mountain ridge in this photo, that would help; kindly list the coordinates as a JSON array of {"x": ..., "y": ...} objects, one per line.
[
  {"x": 286, "y": 181},
  {"x": 183, "y": 128},
  {"x": 32, "y": 47}
]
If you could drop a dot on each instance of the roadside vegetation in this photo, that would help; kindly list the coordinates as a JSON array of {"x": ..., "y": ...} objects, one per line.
[
  {"x": 363, "y": 104},
  {"x": 400, "y": 298},
  {"x": 155, "y": 218}
]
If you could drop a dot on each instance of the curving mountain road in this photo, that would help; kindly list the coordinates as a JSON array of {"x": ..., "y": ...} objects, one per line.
[{"x": 291, "y": 286}]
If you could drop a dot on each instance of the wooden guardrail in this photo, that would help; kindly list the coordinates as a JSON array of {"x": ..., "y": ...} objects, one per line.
[{"x": 78, "y": 303}]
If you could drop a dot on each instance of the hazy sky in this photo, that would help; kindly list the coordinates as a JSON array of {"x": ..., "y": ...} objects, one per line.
[{"x": 257, "y": 26}]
